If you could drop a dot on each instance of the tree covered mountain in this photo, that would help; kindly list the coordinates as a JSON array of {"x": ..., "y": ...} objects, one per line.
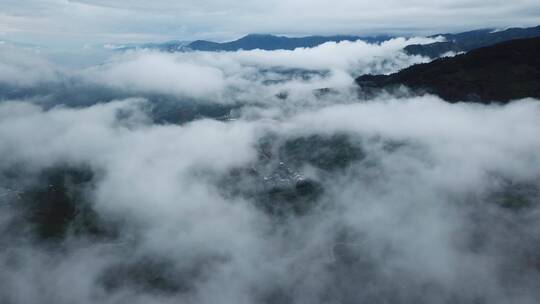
[
  {"x": 503, "y": 72},
  {"x": 460, "y": 42},
  {"x": 467, "y": 41},
  {"x": 257, "y": 41},
  {"x": 271, "y": 42}
]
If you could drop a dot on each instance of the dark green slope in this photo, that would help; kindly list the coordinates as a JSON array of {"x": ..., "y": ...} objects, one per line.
[{"x": 503, "y": 72}]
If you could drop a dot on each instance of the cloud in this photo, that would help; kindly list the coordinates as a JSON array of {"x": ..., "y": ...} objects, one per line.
[
  {"x": 96, "y": 21},
  {"x": 310, "y": 196},
  {"x": 409, "y": 214},
  {"x": 211, "y": 75},
  {"x": 159, "y": 73},
  {"x": 24, "y": 67},
  {"x": 217, "y": 77}
]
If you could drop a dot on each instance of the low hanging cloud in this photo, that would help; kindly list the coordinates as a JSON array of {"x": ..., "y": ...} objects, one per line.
[
  {"x": 159, "y": 73},
  {"x": 418, "y": 216},
  {"x": 24, "y": 67},
  {"x": 218, "y": 77},
  {"x": 295, "y": 191}
]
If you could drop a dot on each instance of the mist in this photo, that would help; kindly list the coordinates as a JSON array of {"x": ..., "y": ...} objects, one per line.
[{"x": 261, "y": 177}]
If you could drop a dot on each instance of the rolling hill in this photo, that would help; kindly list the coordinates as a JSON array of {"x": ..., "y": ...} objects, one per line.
[{"x": 503, "y": 72}]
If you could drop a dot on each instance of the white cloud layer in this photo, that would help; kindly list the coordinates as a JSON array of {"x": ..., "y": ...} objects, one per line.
[
  {"x": 25, "y": 67},
  {"x": 409, "y": 200},
  {"x": 250, "y": 76},
  {"x": 212, "y": 75},
  {"x": 405, "y": 210}
]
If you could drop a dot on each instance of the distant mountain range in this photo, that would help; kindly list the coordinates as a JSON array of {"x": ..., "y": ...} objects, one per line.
[
  {"x": 169, "y": 46},
  {"x": 460, "y": 42},
  {"x": 467, "y": 41},
  {"x": 271, "y": 42},
  {"x": 503, "y": 72},
  {"x": 255, "y": 41}
]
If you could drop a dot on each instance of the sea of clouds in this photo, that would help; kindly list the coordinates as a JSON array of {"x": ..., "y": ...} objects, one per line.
[{"x": 410, "y": 199}]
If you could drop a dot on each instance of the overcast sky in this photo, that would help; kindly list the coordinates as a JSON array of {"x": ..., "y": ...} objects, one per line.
[{"x": 73, "y": 23}]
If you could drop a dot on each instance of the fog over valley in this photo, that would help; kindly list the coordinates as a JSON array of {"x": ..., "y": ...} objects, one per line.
[{"x": 159, "y": 174}]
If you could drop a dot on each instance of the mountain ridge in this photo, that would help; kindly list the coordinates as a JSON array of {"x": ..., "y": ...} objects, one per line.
[
  {"x": 266, "y": 42},
  {"x": 470, "y": 40},
  {"x": 506, "y": 71},
  {"x": 454, "y": 42},
  {"x": 272, "y": 42}
]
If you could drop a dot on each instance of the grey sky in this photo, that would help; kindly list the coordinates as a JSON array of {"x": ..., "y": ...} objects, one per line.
[{"x": 77, "y": 22}]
